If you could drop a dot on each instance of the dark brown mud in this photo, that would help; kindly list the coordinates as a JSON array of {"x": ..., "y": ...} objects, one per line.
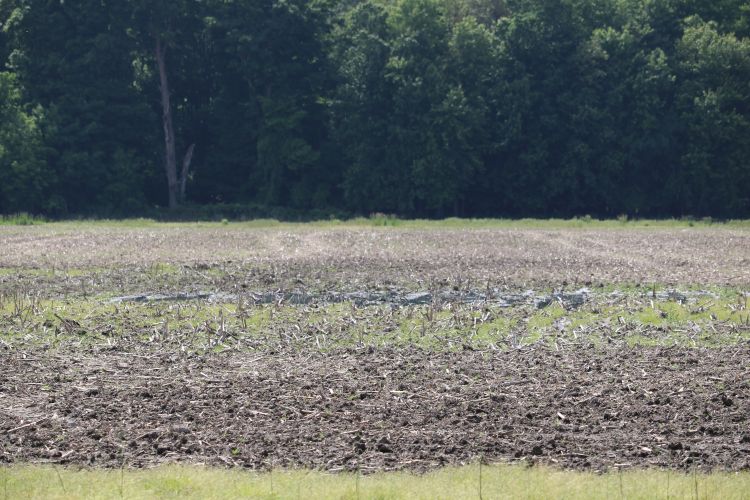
[{"x": 367, "y": 410}]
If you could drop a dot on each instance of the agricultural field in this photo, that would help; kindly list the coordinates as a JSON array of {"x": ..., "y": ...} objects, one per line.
[{"x": 376, "y": 346}]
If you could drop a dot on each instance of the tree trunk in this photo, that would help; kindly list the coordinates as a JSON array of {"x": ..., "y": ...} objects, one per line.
[
  {"x": 170, "y": 163},
  {"x": 185, "y": 169}
]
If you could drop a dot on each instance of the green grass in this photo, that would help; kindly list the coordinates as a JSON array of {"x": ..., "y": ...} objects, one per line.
[
  {"x": 387, "y": 221},
  {"x": 633, "y": 318},
  {"x": 574, "y": 223},
  {"x": 22, "y": 219},
  {"x": 470, "y": 482}
]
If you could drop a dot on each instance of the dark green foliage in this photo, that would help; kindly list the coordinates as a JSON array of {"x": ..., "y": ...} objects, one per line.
[
  {"x": 714, "y": 106},
  {"x": 414, "y": 107},
  {"x": 74, "y": 60},
  {"x": 24, "y": 176},
  {"x": 362, "y": 111}
]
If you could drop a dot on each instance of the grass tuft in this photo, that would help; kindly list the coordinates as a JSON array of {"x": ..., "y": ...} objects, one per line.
[{"x": 21, "y": 219}]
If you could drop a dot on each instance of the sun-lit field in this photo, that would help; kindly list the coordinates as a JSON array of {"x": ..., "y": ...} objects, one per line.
[{"x": 584, "y": 359}]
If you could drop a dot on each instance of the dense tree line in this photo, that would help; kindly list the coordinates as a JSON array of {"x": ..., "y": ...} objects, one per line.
[{"x": 414, "y": 107}]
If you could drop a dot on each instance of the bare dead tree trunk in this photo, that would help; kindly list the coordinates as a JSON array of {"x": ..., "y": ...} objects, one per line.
[
  {"x": 188, "y": 158},
  {"x": 170, "y": 163}
]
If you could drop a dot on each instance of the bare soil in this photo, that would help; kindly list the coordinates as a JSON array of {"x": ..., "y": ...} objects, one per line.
[
  {"x": 388, "y": 409},
  {"x": 120, "y": 402}
]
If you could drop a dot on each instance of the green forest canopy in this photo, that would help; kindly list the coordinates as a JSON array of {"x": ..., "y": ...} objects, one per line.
[{"x": 424, "y": 108}]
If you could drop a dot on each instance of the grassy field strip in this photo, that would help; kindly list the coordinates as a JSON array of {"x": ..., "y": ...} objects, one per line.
[
  {"x": 472, "y": 482},
  {"x": 636, "y": 320},
  {"x": 392, "y": 221}
]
